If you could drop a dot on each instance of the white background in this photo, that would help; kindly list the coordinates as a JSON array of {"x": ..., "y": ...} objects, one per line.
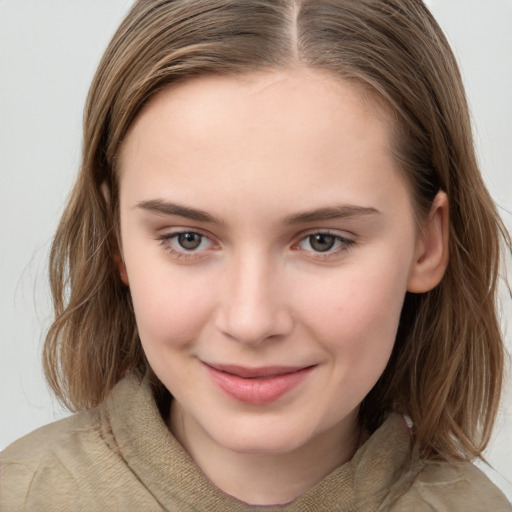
[{"x": 49, "y": 50}]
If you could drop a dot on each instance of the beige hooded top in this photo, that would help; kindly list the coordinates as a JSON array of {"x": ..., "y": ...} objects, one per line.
[{"x": 121, "y": 457}]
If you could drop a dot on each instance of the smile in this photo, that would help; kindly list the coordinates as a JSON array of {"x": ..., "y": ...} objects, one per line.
[{"x": 256, "y": 386}]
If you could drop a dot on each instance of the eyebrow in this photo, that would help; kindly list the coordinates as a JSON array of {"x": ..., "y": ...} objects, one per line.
[
  {"x": 164, "y": 208},
  {"x": 330, "y": 213},
  {"x": 161, "y": 207}
]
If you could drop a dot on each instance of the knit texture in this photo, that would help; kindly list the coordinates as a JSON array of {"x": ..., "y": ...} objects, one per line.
[{"x": 122, "y": 457}]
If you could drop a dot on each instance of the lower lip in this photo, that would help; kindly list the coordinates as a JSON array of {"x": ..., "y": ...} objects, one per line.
[{"x": 257, "y": 391}]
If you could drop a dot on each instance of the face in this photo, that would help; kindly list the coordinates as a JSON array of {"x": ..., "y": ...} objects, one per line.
[{"x": 268, "y": 240}]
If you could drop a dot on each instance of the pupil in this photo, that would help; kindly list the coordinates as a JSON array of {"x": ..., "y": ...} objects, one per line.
[
  {"x": 189, "y": 241},
  {"x": 322, "y": 243}
]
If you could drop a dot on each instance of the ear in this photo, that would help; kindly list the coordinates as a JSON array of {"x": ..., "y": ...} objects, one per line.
[
  {"x": 431, "y": 255},
  {"x": 121, "y": 267},
  {"x": 118, "y": 259}
]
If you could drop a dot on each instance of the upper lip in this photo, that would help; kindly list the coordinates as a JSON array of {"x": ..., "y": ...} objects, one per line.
[{"x": 251, "y": 373}]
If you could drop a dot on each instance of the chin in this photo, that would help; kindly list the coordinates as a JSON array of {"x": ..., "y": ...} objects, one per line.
[{"x": 264, "y": 441}]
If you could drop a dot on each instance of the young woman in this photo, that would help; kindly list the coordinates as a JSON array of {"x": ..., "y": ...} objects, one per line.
[{"x": 275, "y": 279}]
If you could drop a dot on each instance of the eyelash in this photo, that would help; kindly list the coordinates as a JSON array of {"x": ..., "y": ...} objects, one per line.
[
  {"x": 344, "y": 244},
  {"x": 166, "y": 240}
]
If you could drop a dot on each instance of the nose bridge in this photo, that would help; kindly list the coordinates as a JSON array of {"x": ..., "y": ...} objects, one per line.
[{"x": 254, "y": 307}]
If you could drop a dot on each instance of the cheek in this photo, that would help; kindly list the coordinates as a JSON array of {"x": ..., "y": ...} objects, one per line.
[
  {"x": 356, "y": 314},
  {"x": 169, "y": 308}
]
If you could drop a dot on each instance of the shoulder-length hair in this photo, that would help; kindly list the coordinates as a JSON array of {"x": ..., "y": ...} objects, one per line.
[{"x": 446, "y": 368}]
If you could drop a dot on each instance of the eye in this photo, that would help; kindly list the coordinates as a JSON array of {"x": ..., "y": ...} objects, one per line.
[
  {"x": 321, "y": 242},
  {"x": 189, "y": 241},
  {"x": 326, "y": 243},
  {"x": 185, "y": 243}
]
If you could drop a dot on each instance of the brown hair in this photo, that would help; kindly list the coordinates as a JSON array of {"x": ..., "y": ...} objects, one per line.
[{"x": 446, "y": 368}]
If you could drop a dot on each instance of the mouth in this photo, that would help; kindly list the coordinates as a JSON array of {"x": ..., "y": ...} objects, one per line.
[{"x": 257, "y": 386}]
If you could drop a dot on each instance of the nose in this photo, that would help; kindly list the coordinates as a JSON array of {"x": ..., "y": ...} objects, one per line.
[{"x": 254, "y": 307}]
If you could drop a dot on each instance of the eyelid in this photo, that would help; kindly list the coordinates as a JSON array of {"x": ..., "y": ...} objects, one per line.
[
  {"x": 165, "y": 238},
  {"x": 342, "y": 234},
  {"x": 346, "y": 243}
]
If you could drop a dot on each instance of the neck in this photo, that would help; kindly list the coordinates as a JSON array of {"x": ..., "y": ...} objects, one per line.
[{"x": 267, "y": 478}]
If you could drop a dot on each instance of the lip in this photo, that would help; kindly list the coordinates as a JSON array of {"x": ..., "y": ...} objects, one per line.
[{"x": 257, "y": 386}]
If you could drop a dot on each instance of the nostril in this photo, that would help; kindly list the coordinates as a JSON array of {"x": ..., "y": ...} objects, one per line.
[
  {"x": 253, "y": 306},
  {"x": 255, "y": 326}
]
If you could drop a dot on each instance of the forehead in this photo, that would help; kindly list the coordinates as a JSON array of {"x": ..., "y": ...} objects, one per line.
[
  {"x": 298, "y": 130},
  {"x": 314, "y": 99}
]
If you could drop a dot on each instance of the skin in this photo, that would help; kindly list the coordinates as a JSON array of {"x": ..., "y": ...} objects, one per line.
[{"x": 254, "y": 153}]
